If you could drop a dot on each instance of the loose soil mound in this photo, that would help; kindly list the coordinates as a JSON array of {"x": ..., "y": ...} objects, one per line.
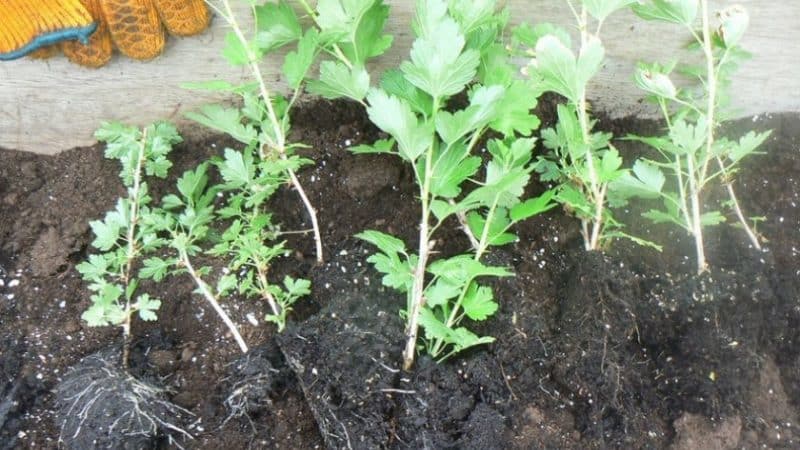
[{"x": 622, "y": 350}]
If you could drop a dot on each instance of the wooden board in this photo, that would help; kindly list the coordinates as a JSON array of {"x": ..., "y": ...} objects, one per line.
[{"x": 48, "y": 106}]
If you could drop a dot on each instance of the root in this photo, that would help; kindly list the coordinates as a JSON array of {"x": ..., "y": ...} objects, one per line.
[
  {"x": 101, "y": 405},
  {"x": 250, "y": 384}
]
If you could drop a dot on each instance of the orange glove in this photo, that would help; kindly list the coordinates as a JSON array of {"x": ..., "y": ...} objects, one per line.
[{"x": 135, "y": 27}]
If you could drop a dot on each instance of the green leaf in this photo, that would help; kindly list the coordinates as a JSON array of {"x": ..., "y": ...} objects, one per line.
[
  {"x": 336, "y": 80},
  {"x": 517, "y": 105},
  {"x": 95, "y": 268},
  {"x": 366, "y": 40},
  {"x": 681, "y": 12},
  {"x": 472, "y": 14},
  {"x": 429, "y": 14},
  {"x": 651, "y": 78},
  {"x": 482, "y": 109},
  {"x": 712, "y": 218},
  {"x": 451, "y": 170},
  {"x": 235, "y": 51},
  {"x": 533, "y": 206},
  {"x": 356, "y": 25},
  {"x": 440, "y": 292},
  {"x": 662, "y": 217},
  {"x": 609, "y": 168},
  {"x": 386, "y": 243},
  {"x": 172, "y": 201},
  {"x": 734, "y": 23},
  {"x": 193, "y": 182},
  {"x": 95, "y": 316},
  {"x": 226, "y": 120},
  {"x": 395, "y": 117},
  {"x": 601, "y": 9},
  {"x": 467, "y": 339},
  {"x": 461, "y": 269},
  {"x": 297, "y": 63},
  {"x": 687, "y": 137},
  {"x": 435, "y": 328},
  {"x": 296, "y": 287},
  {"x": 644, "y": 181},
  {"x": 156, "y": 268},
  {"x": 556, "y": 64},
  {"x": 479, "y": 302},
  {"x": 379, "y": 146},
  {"x": 439, "y": 64},
  {"x": 147, "y": 307},
  {"x": 227, "y": 283},
  {"x": 590, "y": 60},
  {"x": 442, "y": 209},
  {"x": 394, "y": 83},
  {"x": 237, "y": 169},
  {"x": 276, "y": 25},
  {"x": 527, "y": 35},
  {"x": 747, "y": 144},
  {"x": 117, "y": 133},
  {"x": 106, "y": 234},
  {"x": 561, "y": 71},
  {"x": 575, "y": 199},
  {"x": 398, "y": 273}
]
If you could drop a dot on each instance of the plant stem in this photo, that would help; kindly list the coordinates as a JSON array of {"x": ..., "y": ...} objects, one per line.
[
  {"x": 696, "y": 224},
  {"x": 749, "y": 231},
  {"x": 131, "y": 251},
  {"x": 264, "y": 285},
  {"x": 311, "y": 212},
  {"x": 184, "y": 258},
  {"x": 280, "y": 143},
  {"x": 597, "y": 192},
  {"x": 418, "y": 287},
  {"x": 711, "y": 84}
]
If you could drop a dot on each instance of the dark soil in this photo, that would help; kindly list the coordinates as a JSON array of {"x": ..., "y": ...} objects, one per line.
[{"x": 627, "y": 349}]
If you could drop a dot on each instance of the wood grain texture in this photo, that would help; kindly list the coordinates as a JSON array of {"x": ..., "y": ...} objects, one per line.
[{"x": 48, "y": 106}]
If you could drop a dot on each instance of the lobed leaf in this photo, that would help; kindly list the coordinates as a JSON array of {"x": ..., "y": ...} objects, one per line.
[
  {"x": 479, "y": 302},
  {"x": 336, "y": 80},
  {"x": 395, "y": 117}
]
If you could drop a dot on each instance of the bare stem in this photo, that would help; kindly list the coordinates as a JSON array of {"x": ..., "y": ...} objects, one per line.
[
  {"x": 204, "y": 289},
  {"x": 596, "y": 190},
  {"x": 736, "y": 208},
  {"x": 131, "y": 252},
  {"x": 696, "y": 224},
  {"x": 462, "y": 221},
  {"x": 418, "y": 288},
  {"x": 262, "y": 279},
  {"x": 312, "y": 213}
]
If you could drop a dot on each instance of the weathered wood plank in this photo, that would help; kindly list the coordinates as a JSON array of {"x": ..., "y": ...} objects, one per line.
[{"x": 48, "y": 106}]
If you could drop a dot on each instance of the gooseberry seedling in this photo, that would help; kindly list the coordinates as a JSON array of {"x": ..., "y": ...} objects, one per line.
[
  {"x": 262, "y": 124},
  {"x": 583, "y": 162},
  {"x": 126, "y": 232},
  {"x": 457, "y": 50},
  {"x": 185, "y": 219},
  {"x": 691, "y": 150}
]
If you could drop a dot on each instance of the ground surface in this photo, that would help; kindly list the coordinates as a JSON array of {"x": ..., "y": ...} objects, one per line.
[{"x": 622, "y": 350}]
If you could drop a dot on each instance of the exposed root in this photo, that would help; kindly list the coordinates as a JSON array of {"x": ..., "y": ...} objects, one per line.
[
  {"x": 103, "y": 406},
  {"x": 250, "y": 385}
]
